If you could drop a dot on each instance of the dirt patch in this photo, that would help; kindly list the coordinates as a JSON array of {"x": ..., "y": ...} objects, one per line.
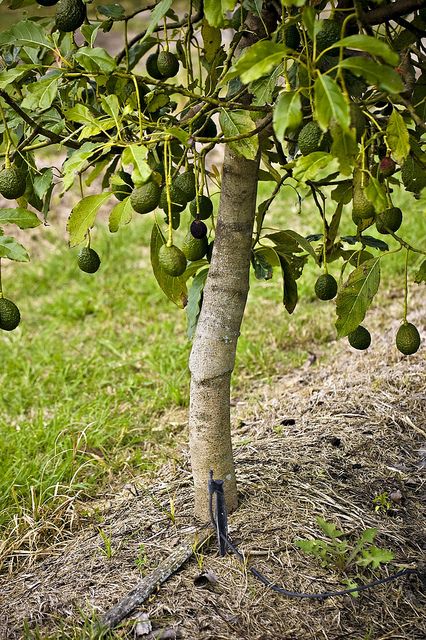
[{"x": 323, "y": 441}]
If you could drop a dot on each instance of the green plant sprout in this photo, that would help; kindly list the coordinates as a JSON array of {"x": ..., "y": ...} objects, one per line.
[{"x": 343, "y": 554}]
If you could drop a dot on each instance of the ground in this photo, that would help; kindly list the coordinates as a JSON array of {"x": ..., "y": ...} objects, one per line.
[{"x": 324, "y": 441}]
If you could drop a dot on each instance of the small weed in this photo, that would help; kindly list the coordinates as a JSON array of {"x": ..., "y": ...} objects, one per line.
[
  {"x": 382, "y": 502},
  {"x": 198, "y": 554},
  {"x": 141, "y": 560},
  {"x": 107, "y": 549},
  {"x": 172, "y": 510},
  {"x": 344, "y": 554}
]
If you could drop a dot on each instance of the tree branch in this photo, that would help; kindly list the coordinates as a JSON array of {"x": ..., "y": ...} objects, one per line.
[
  {"x": 387, "y": 12},
  {"x": 53, "y": 137},
  {"x": 419, "y": 33}
]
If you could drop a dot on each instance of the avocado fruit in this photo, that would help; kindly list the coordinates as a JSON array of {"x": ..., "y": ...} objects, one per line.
[{"x": 70, "y": 15}]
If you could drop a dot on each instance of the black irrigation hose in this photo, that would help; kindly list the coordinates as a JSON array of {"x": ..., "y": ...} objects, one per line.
[
  {"x": 216, "y": 488},
  {"x": 314, "y": 596}
]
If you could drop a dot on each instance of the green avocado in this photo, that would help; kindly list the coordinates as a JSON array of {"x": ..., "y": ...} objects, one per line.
[
  {"x": 167, "y": 64},
  {"x": 177, "y": 198},
  {"x": 204, "y": 208},
  {"x": 361, "y": 207},
  {"x": 70, "y": 15},
  {"x": 172, "y": 260},
  {"x": 13, "y": 182},
  {"x": 88, "y": 260},
  {"x": 311, "y": 138},
  {"x": 328, "y": 35},
  {"x": 194, "y": 248},
  {"x": 145, "y": 198},
  {"x": 186, "y": 183},
  {"x": 9, "y": 315}
]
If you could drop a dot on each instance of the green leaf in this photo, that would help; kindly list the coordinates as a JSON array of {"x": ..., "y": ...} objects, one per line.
[
  {"x": 335, "y": 224},
  {"x": 317, "y": 548},
  {"x": 287, "y": 113},
  {"x": 374, "y": 557},
  {"x": 154, "y": 100},
  {"x": 235, "y": 123},
  {"x": 42, "y": 182},
  {"x": 343, "y": 192},
  {"x": 397, "y": 137},
  {"x": 136, "y": 154},
  {"x": 317, "y": 165},
  {"x": 370, "y": 45},
  {"x": 257, "y": 61},
  {"x": 329, "y": 528},
  {"x": 90, "y": 31},
  {"x": 212, "y": 41},
  {"x": 330, "y": 104},
  {"x": 23, "y": 218},
  {"x": 156, "y": 16},
  {"x": 290, "y": 241},
  {"x": 180, "y": 134},
  {"x": 12, "y": 250},
  {"x": 345, "y": 148},
  {"x": 356, "y": 295},
  {"x": 95, "y": 59},
  {"x": 14, "y": 74},
  {"x": 82, "y": 114},
  {"x": 174, "y": 288},
  {"x": 376, "y": 243},
  {"x": 111, "y": 106},
  {"x": 312, "y": 24},
  {"x": 76, "y": 162},
  {"x": 26, "y": 34},
  {"x": 215, "y": 11},
  {"x": 421, "y": 273},
  {"x": 120, "y": 215},
  {"x": 262, "y": 269},
  {"x": 113, "y": 11},
  {"x": 351, "y": 584},
  {"x": 42, "y": 93},
  {"x": 83, "y": 216},
  {"x": 293, "y": 3},
  {"x": 376, "y": 74},
  {"x": 290, "y": 294},
  {"x": 263, "y": 88},
  {"x": 376, "y": 193},
  {"x": 367, "y": 536},
  {"x": 195, "y": 297}
]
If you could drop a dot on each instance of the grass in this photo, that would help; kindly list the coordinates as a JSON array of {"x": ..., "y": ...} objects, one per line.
[{"x": 97, "y": 360}]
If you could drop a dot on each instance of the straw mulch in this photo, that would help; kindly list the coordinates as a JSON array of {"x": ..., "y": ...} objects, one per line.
[{"x": 323, "y": 441}]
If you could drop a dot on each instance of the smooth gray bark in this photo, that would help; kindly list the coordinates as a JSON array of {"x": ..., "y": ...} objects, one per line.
[{"x": 212, "y": 357}]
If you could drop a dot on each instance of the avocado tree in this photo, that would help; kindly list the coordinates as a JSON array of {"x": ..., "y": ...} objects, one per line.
[{"x": 329, "y": 98}]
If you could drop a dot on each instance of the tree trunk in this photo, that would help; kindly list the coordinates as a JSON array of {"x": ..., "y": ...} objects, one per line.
[{"x": 212, "y": 357}]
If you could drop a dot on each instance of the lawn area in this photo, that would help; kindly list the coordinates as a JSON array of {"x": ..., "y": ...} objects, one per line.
[{"x": 99, "y": 363}]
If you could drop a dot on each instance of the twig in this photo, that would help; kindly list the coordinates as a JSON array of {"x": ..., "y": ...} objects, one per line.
[
  {"x": 145, "y": 587},
  {"x": 390, "y": 11}
]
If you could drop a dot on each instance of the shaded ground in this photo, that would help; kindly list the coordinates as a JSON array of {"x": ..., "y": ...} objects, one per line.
[{"x": 359, "y": 431}]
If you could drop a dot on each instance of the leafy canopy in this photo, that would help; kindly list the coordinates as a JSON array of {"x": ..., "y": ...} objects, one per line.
[{"x": 349, "y": 83}]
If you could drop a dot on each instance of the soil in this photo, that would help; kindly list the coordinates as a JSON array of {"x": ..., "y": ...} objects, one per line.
[{"x": 321, "y": 442}]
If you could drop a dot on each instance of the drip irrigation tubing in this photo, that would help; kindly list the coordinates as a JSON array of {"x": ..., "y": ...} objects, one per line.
[{"x": 220, "y": 523}]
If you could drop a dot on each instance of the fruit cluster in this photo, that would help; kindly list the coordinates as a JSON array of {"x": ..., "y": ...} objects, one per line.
[{"x": 407, "y": 338}]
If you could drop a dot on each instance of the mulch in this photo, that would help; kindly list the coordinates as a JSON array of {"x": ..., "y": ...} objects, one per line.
[{"x": 323, "y": 441}]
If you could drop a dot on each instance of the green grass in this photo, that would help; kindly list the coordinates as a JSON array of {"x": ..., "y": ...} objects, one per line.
[{"x": 98, "y": 359}]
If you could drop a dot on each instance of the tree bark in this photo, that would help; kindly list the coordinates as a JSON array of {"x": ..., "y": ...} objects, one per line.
[{"x": 212, "y": 357}]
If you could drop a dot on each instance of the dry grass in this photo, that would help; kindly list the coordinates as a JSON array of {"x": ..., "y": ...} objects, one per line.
[{"x": 359, "y": 431}]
